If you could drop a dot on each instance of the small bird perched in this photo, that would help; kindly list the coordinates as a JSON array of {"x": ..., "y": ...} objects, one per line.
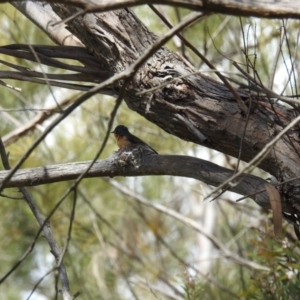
[{"x": 126, "y": 139}]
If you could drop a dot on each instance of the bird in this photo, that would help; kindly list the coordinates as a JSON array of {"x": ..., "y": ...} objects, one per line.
[{"x": 126, "y": 139}]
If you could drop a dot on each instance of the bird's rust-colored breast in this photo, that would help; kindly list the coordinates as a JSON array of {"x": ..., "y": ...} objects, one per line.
[{"x": 122, "y": 141}]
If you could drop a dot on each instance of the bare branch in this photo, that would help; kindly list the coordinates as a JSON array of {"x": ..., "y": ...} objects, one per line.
[
  {"x": 175, "y": 165},
  {"x": 257, "y": 8},
  {"x": 32, "y": 124}
]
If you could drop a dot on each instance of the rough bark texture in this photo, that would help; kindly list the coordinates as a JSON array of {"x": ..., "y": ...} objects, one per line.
[{"x": 194, "y": 108}]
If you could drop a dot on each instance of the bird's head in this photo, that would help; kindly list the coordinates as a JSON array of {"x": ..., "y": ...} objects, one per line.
[{"x": 120, "y": 130}]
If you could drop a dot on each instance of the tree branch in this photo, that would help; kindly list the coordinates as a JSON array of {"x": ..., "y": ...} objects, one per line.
[
  {"x": 135, "y": 163},
  {"x": 256, "y": 8}
]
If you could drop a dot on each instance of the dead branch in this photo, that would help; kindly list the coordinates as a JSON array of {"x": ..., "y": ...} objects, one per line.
[{"x": 137, "y": 165}]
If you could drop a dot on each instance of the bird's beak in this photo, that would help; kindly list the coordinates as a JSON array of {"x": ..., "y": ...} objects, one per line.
[{"x": 112, "y": 132}]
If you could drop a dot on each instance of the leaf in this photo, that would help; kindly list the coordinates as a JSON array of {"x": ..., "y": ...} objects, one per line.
[{"x": 275, "y": 202}]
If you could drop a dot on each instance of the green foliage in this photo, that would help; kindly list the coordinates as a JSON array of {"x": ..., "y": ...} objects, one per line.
[{"x": 282, "y": 282}]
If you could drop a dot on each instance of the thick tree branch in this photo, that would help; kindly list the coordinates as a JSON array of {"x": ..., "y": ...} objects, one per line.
[
  {"x": 253, "y": 8},
  {"x": 134, "y": 163}
]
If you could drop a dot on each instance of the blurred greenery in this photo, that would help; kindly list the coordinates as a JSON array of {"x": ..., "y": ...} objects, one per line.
[{"x": 120, "y": 249}]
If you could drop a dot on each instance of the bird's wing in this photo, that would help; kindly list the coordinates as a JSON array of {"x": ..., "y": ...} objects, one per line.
[{"x": 135, "y": 140}]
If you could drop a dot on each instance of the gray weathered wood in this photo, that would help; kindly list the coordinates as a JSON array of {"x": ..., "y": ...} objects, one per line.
[{"x": 134, "y": 163}]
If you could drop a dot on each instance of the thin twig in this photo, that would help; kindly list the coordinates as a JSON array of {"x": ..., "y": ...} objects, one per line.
[
  {"x": 45, "y": 227},
  {"x": 190, "y": 223},
  {"x": 256, "y": 160}
]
